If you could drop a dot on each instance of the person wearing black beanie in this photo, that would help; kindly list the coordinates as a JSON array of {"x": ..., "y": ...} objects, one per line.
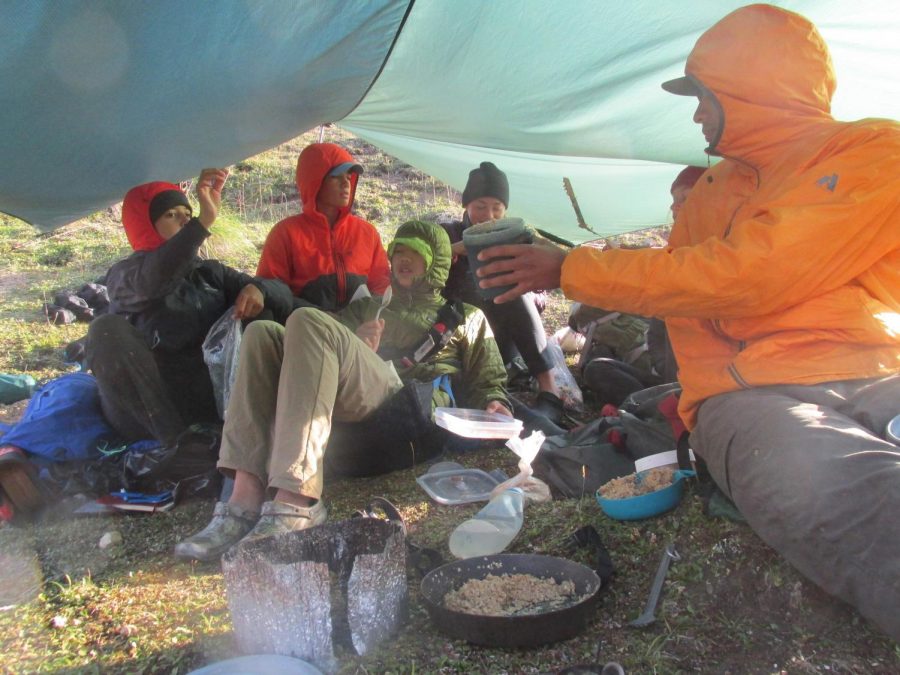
[
  {"x": 486, "y": 181},
  {"x": 146, "y": 352},
  {"x": 165, "y": 200},
  {"x": 517, "y": 325}
]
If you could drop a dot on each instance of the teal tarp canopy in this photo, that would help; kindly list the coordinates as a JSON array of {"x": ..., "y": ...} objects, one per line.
[{"x": 101, "y": 95}]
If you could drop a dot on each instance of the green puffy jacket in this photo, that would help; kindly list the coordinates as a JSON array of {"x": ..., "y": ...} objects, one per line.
[{"x": 470, "y": 358}]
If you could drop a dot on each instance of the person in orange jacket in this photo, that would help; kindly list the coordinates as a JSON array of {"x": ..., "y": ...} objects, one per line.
[
  {"x": 782, "y": 300},
  {"x": 325, "y": 253}
]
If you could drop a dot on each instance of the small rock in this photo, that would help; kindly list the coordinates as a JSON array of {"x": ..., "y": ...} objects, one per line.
[{"x": 112, "y": 538}]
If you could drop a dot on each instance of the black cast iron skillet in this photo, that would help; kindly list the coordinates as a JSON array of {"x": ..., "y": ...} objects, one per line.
[{"x": 528, "y": 630}]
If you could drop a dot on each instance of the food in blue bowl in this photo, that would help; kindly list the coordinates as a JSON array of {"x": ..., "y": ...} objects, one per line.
[{"x": 642, "y": 495}]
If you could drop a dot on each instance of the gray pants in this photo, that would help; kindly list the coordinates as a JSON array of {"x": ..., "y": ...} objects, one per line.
[
  {"x": 291, "y": 382},
  {"x": 811, "y": 471}
]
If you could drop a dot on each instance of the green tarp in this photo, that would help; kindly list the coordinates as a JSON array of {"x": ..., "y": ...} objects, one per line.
[{"x": 101, "y": 95}]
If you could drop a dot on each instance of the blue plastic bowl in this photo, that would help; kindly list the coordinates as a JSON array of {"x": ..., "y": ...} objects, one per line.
[
  {"x": 893, "y": 430},
  {"x": 648, "y": 505}
]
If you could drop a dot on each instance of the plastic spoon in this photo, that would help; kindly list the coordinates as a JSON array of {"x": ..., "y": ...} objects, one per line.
[{"x": 385, "y": 301}]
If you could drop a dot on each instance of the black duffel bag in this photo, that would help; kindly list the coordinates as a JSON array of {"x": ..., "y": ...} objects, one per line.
[{"x": 397, "y": 436}]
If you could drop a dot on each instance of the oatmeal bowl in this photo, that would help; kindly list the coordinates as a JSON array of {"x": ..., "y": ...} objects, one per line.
[
  {"x": 643, "y": 494},
  {"x": 511, "y": 600}
]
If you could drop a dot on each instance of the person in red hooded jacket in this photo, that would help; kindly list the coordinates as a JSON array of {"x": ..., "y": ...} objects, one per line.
[
  {"x": 325, "y": 253},
  {"x": 146, "y": 353}
]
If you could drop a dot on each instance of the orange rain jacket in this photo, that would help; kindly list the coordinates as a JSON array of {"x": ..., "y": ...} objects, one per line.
[
  {"x": 783, "y": 266},
  {"x": 324, "y": 265}
]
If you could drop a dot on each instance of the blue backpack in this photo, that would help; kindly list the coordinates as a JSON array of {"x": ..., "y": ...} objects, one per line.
[{"x": 63, "y": 422}]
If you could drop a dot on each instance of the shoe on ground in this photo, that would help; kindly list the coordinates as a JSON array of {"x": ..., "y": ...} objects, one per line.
[
  {"x": 533, "y": 420},
  {"x": 228, "y": 526},
  {"x": 517, "y": 374},
  {"x": 550, "y": 406},
  {"x": 19, "y": 481},
  {"x": 278, "y": 517}
]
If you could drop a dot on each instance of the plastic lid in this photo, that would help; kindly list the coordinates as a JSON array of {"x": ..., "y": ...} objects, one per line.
[
  {"x": 473, "y": 423},
  {"x": 458, "y": 486}
]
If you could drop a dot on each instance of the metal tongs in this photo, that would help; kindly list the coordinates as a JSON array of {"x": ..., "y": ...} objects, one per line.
[{"x": 648, "y": 616}]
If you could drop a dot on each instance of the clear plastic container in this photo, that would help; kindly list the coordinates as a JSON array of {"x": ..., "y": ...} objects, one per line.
[
  {"x": 473, "y": 423},
  {"x": 458, "y": 486},
  {"x": 492, "y": 529}
]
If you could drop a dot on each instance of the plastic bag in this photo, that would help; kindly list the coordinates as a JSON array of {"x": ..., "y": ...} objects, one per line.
[
  {"x": 527, "y": 448},
  {"x": 220, "y": 352},
  {"x": 569, "y": 391},
  {"x": 570, "y": 341}
]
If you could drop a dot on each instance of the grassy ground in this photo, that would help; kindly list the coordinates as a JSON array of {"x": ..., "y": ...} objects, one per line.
[{"x": 730, "y": 604}]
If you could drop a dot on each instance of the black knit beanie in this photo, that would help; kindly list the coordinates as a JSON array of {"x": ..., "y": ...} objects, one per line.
[
  {"x": 486, "y": 181},
  {"x": 165, "y": 201}
]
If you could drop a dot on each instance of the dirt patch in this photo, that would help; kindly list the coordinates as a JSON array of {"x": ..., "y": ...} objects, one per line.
[
  {"x": 12, "y": 413},
  {"x": 16, "y": 282}
]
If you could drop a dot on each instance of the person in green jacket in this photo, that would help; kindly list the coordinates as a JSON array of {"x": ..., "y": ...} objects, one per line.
[{"x": 294, "y": 380}]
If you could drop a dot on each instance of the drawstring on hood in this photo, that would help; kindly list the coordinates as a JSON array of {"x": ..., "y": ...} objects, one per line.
[
  {"x": 136, "y": 219},
  {"x": 770, "y": 72},
  {"x": 313, "y": 165}
]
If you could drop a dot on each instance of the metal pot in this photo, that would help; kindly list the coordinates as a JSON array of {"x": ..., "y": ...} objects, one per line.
[{"x": 529, "y": 630}]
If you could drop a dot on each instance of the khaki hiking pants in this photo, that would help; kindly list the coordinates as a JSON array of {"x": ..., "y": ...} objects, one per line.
[
  {"x": 811, "y": 471},
  {"x": 291, "y": 381}
]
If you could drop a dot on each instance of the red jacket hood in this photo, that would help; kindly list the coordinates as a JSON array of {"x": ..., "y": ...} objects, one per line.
[
  {"x": 772, "y": 75},
  {"x": 314, "y": 163},
  {"x": 136, "y": 215}
]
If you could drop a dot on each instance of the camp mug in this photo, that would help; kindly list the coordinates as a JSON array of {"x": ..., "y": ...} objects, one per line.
[{"x": 493, "y": 233}]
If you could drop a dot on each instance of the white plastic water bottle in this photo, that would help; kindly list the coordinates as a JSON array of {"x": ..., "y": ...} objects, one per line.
[{"x": 492, "y": 529}]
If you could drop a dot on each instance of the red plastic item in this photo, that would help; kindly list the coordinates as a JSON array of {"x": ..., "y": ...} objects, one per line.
[
  {"x": 669, "y": 408},
  {"x": 617, "y": 439},
  {"x": 7, "y": 512}
]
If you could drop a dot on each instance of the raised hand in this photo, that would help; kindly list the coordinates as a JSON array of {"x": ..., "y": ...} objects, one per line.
[{"x": 209, "y": 192}]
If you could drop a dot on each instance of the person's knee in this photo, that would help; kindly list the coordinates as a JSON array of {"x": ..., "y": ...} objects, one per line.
[
  {"x": 260, "y": 331},
  {"x": 109, "y": 337},
  {"x": 108, "y": 327},
  {"x": 310, "y": 321}
]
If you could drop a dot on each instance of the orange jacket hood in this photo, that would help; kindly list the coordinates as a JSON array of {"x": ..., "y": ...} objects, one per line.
[
  {"x": 136, "y": 215},
  {"x": 313, "y": 165},
  {"x": 772, "y": 75}
]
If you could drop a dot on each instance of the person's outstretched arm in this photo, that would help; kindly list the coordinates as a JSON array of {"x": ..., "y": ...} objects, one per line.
[{"x": 529, "y": 267}]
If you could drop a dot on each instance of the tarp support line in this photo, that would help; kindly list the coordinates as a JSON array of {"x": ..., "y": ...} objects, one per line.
[
  {"x": 556, "y": 239},
  {"x": 383, "y": 63}
]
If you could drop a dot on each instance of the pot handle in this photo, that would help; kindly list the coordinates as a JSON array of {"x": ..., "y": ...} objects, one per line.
[{"x": 421, "y": 559}]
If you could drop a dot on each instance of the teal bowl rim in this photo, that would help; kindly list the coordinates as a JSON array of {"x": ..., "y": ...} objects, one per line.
[{"x": 677, "y": 477}]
